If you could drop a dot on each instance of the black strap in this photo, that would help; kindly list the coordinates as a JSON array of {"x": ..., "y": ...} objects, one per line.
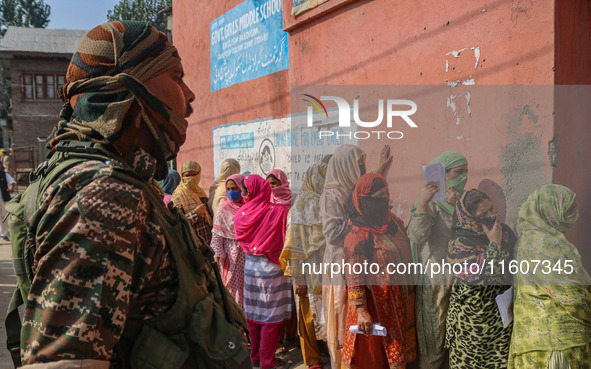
[{"x": 13, "y": 328}]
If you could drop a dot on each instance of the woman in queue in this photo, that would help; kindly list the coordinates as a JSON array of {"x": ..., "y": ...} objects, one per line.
[
  {"x": 378, "y": 237},
  {"x": 552, "y": 305},
  {"x": 227, "y": 251},
  {"x": 476, "y": 336},
  {"x": 260, "y": 228}
]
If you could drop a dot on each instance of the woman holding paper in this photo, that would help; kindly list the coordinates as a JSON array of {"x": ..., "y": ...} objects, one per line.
[
  {"x": 429, "y": 231},
  {"x": 377, "y": 237},
  {"x": 344, "y": 169},
  {"x": 476, "y": 336},
  {"x": 552, "y": 307}
]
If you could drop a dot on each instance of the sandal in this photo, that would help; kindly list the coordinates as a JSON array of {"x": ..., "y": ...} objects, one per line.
[{"x": 281, "y": 349}]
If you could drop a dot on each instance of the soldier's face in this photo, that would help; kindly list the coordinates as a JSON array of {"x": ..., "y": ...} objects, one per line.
[{"x": 172, "y": 91}]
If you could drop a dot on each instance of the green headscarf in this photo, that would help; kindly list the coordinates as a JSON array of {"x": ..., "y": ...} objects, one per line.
[
  {"x": 552, "y": 308},
  {"x": 542, "y": 224},
  {"x": 451, "y": 159},
  {"x": 545, "y": 208}
]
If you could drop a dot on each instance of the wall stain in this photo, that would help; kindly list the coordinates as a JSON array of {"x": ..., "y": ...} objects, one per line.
[
  {"x": 554, "y": 150},
  {"x": 523, "y": 163}
]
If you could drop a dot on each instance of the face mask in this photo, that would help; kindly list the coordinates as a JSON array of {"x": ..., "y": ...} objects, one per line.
[
  {"x": 362, "y": 169},
  {"x": 377, "y": 210},
  {"x": 234, "y": 195},
  {"x": 489, "y": 222},
  {"x": 458, "y": 183}
]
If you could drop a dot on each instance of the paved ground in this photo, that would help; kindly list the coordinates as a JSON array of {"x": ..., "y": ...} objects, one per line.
[
  {"x": 295, "y": 356},
  {"x": 8, "y": 284}
]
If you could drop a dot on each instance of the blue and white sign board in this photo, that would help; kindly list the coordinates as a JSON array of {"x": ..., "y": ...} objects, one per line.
[
  {"x": 248, "y": 42},
  {"x": 263, "y": 145}
]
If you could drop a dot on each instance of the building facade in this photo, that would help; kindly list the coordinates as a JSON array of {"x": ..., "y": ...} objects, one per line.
[
  {"x": 35, "y": 61},
  {"x": 506, "y": 83}
]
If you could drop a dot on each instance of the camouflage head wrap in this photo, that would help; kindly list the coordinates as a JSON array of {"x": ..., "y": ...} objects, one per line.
[{"x": 105, "y": 95}]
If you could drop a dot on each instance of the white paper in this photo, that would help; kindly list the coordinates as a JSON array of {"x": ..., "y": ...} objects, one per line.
[
  {"x": 436, "y": 173},
  {"x": 505, "y": 305},
  {"x": 378, "y": 330}
]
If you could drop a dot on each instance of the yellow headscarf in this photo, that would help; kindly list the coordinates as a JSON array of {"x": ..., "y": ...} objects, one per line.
[{"x": 188, "y": 194}]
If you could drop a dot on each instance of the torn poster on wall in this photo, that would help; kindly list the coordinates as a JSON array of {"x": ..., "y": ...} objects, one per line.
[
  {"x": 300, "y": 6},
  {"x": 248, "y": 42}
]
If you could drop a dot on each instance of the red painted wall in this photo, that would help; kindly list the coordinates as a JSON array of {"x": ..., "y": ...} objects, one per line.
[
  {"x": 573, "y": 74},
  {"x": 400, "y": 42},
  {"x": 267, "y": 96},
  {"x": 405, "y": 43},
  {"x": 392, "y": 42}
]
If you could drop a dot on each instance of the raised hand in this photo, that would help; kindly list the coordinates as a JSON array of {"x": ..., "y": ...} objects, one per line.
[
  {"x": 427, "y": 192},
  {"x": 495, "y": 234}
]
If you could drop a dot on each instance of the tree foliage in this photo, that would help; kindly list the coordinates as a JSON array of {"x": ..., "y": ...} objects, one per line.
[
  {"x": 24, "y": 13},
  {"x": 141, "y": 10}
]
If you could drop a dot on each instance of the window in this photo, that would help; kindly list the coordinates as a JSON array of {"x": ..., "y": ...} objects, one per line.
[
  {"x": 28, "y": 86},
  {"x": 42, "y": 86}
]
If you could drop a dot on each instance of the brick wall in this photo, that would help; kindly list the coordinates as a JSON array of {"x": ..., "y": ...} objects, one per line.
[{"x": 33, "y": 118}]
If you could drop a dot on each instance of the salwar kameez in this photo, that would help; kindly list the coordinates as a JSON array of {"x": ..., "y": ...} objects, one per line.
[
  {"x": 391, "y": 304},
  {"x": 379, "y": 238},
  {"x": 552, "y": 307},
  {"x": 267, "y": 304},
  {"x": 305, "y": 243}
]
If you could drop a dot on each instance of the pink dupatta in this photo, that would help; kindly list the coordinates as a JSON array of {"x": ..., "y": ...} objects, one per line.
[
  {"x": 260, "y": 225},
  {"x": 281, "y": 194}
]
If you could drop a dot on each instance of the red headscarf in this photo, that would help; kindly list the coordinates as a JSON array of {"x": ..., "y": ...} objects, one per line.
[
  {"x": 280, "y": 194},
  {"x": 260, "y": 225},
  {"x": 362, "y": 226},
  {"x": 362, "y": 189}
]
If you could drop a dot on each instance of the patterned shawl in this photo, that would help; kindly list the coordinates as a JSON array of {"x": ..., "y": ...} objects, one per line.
[
  {"x": 552, "y": 306},
  {"x": 543, "y": 224},
  {"x": 217, "y": 191},
  {"x": 280, "y": 194},
  {"x": 188, "y": 195},
  {"x": 471, "y": 244},
  {"x": 223, "y": 219},
  {"x": 304, "y": 223},
  {"x": 104, "y": 94}
]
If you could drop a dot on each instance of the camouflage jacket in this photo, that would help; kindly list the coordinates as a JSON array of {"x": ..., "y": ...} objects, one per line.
[{"x": 98, "y": 254}]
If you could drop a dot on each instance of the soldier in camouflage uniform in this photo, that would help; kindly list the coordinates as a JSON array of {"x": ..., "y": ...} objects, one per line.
[{"x": 100, "y": 253}]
